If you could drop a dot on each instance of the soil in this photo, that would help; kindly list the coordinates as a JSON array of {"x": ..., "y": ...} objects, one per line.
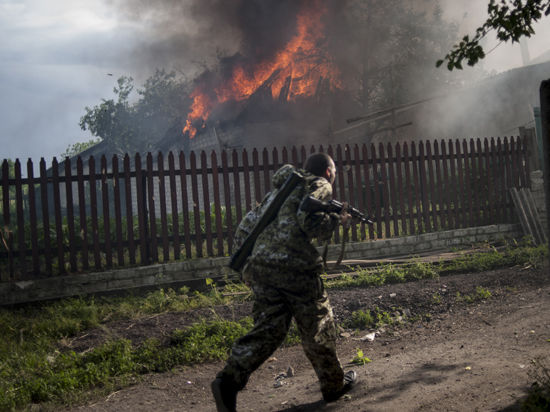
[{"x": 457, "y": 355}]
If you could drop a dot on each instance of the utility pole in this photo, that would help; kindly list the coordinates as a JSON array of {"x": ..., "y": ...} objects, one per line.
[{"x": 545, "y": 120}]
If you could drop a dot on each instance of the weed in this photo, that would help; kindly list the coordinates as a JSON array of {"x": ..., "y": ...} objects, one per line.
[
  {"x": 369, "y": 319},
  {"x": 360, "y": 358},
  {"x": 480, "y": 294},
  {"x": 436, "y": 298}
]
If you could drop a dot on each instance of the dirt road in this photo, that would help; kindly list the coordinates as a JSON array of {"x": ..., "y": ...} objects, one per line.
[{"x": 462, "y": 355}]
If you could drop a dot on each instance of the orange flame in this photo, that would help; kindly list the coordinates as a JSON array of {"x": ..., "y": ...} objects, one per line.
[{"x": 302, "y": 59}]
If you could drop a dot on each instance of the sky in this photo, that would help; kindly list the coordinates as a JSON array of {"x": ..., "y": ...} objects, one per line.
[{"x": 59, "y": 56}]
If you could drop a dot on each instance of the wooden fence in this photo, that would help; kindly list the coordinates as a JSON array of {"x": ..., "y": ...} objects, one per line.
[{"x": 75, "y": 218}]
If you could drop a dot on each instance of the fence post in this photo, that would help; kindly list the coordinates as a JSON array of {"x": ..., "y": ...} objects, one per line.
[{"x": 545, "y": 118}]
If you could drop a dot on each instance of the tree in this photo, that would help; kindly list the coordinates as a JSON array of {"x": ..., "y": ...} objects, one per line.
[
  {"x": 79, "y": 147},
  {"x": 135, "y": 126},
  {"x": 512, "y": 20}
]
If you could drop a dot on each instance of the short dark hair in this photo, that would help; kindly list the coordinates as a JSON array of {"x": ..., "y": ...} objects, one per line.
[{"x": 317, "y": 163}]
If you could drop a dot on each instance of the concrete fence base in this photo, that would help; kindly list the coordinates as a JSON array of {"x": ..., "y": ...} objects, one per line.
[{"x": 197, "y": 270}]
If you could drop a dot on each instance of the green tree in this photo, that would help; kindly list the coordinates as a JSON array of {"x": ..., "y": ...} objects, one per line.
[
  {"x": 78, "y": 147},
  {"x": 511, "y": 19},
  {"x": 130, "y": 126}
]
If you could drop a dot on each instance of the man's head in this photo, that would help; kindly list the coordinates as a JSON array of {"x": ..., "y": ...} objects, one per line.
[{"x": 321, "y": 164}]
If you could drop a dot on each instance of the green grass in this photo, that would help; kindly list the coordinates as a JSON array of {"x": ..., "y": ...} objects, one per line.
[
  {"x": 369, "y": 319},
  {"x": 34, "y": 367}
]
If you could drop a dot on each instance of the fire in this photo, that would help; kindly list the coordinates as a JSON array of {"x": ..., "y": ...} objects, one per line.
[{"x": 302, "y": 60}]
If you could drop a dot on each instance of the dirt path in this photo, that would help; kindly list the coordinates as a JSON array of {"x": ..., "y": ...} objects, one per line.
[{"x": 467, "y": 356}]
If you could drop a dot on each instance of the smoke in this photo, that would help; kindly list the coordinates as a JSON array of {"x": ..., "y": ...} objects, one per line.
[
  {"x": 386, "y": 50},
  {"x": 196, "y": 34}
]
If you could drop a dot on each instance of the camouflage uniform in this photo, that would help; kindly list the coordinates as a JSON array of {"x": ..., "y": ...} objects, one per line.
[{"x": 283, "y": 271}]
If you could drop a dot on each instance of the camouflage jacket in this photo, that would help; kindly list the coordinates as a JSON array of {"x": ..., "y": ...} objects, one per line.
[{"x": 286, "y": 243}]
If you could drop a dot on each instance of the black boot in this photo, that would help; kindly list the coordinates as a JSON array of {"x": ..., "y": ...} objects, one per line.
[
  {"x": 225, "y": 395},
  {"x": 350, "y": 378}
]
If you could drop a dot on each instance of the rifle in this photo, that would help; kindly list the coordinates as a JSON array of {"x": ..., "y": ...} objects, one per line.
[
  {"x": 239, "y": 257},
  {"x": 311, "y": 204}
]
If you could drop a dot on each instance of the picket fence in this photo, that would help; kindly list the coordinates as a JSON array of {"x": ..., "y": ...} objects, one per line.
[{"x": 75, "y": 218}]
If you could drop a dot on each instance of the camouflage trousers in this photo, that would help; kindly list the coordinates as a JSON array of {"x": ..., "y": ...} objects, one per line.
[{"x": 278, "y": 298}]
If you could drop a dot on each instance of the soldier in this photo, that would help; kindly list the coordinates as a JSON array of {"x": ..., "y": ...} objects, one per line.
[{"x": 283, "y": 272}]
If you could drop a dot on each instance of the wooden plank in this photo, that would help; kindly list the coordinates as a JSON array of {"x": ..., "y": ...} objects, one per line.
[
  {"x": 129, "y": 209},
  {"x": 6, "y": 230},
  {"x": 285, "y": 155},
  {"x": 464, "y": 182},
  {"x": 275, "y": 157},
  {"x": 106, "y": 213},
  {"x": 501, "y": 186},
  {"x": 303, "y": 157},
  {"x": 162, "y": 205},
  {"x": 377, "y": 183},
  {"x": 493, "y": 182},
  {"x": 507, "y": 161},
  {"x": 514, "y": 154},
  {"x": 474, "y": 185},
  {"x": 532, "y": 216},
  {"x": 118, "y": 211},
  {"x": 217, "y": 204},
  {"x": 424, "y": 187},
  {"x": 265, "y": 168},
  {"x": 20, "y": 219},
  {"x": 57, "y": 216},
  {"x": 141, "y": 197},
  {"x": 484, "y": 166},
  {"x": 399, "y": 190},
  {"x": 527, "y": 229},
  {"x": 444, "y": 187},
  {"x": 185, "y": 205},
  {"x": 256, "y": 173},
  {"x": 82, "y": 213},
  {"x": 237, "y": 187},
  {"x": 33, "y": 219},
  {"x": 392, "y": 191},
  {"x": 524, "y": 162},
  {"x": 93, "y": 213},
  {"x": 206, "y": 198},
  {"x": 430, "y": 184},
  {"x": 352, "y": 187},
  {"x": 454, "y": 183},
  {"x": 247, "y": 181},
  {"x": 384, "y": 187},
  {"x": 294, "y": 153},
  {"x": 70, "y": 215},
  {"x": 340, "y": 185},
  {"x": 435, "y": 199},
  {"x": 368, "y": 197},
  {"x": 227, "y": 200},
  {"x": 418, "y": 190},
  {"x": 196, "y": 209},
  {"x": 359, "y": 187},
  {"x": 330, "y": 152},
  {"x": 408, "y": 188},
  {"x": 174, "y": 204},
  {"x": 151, "y": 205}
]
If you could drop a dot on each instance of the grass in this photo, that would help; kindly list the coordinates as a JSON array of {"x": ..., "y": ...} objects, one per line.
[
  {"x": 523, "y": 254},
  {"x": 369, "y": 319},
  {"x": 35, "y": 369}
]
